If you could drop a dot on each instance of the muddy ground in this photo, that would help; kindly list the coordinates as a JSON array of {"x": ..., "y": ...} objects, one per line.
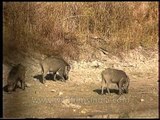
[{"x": 80, "y": 97}]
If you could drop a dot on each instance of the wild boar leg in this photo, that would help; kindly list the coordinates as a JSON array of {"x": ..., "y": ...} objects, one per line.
[
  {"x": 120, "y": 86},
  {"x": 108, "y": 89},
  {"x": 102, "y": 90},
  {"x": 22, "y": 81},
  {"x": 43, "y": 77},
  {"x": 55, "y": 77},
  {"x": 59, "y": 73},
  {"x": 22, "y": 84},
  {"x": 62, "y": 79},
  {"x": 103, "y": 85},
  {"x": 15, "y": 85}
]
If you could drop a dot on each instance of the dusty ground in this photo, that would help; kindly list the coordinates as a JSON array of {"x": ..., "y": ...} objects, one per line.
[{"x": 80, "y": 95}]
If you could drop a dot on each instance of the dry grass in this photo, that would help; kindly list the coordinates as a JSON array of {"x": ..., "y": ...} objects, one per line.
[{"x": 66, "y": 28}]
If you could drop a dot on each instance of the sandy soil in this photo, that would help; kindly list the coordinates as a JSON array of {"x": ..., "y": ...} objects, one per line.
[
  {"x": 74, "y": 99},
  {"x": 80, "y": 97}
]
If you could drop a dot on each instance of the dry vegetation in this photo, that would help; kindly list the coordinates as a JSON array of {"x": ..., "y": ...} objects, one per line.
[
  {"x": 90, "y": 36},
  {"x": 78, "y": 30}
]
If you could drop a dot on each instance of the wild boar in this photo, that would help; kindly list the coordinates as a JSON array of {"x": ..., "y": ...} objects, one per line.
[
  {"x": 118, "y": 77},
  {"x": 57, "y": 66},
  {"x": 16, "y": 74}
]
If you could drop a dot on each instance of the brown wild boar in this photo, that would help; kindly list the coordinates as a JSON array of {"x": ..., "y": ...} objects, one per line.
[
  {"x": 57, "y": 66},
  {"x": 17, "y": 74},
  {"x": 118, "y": 77}
]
